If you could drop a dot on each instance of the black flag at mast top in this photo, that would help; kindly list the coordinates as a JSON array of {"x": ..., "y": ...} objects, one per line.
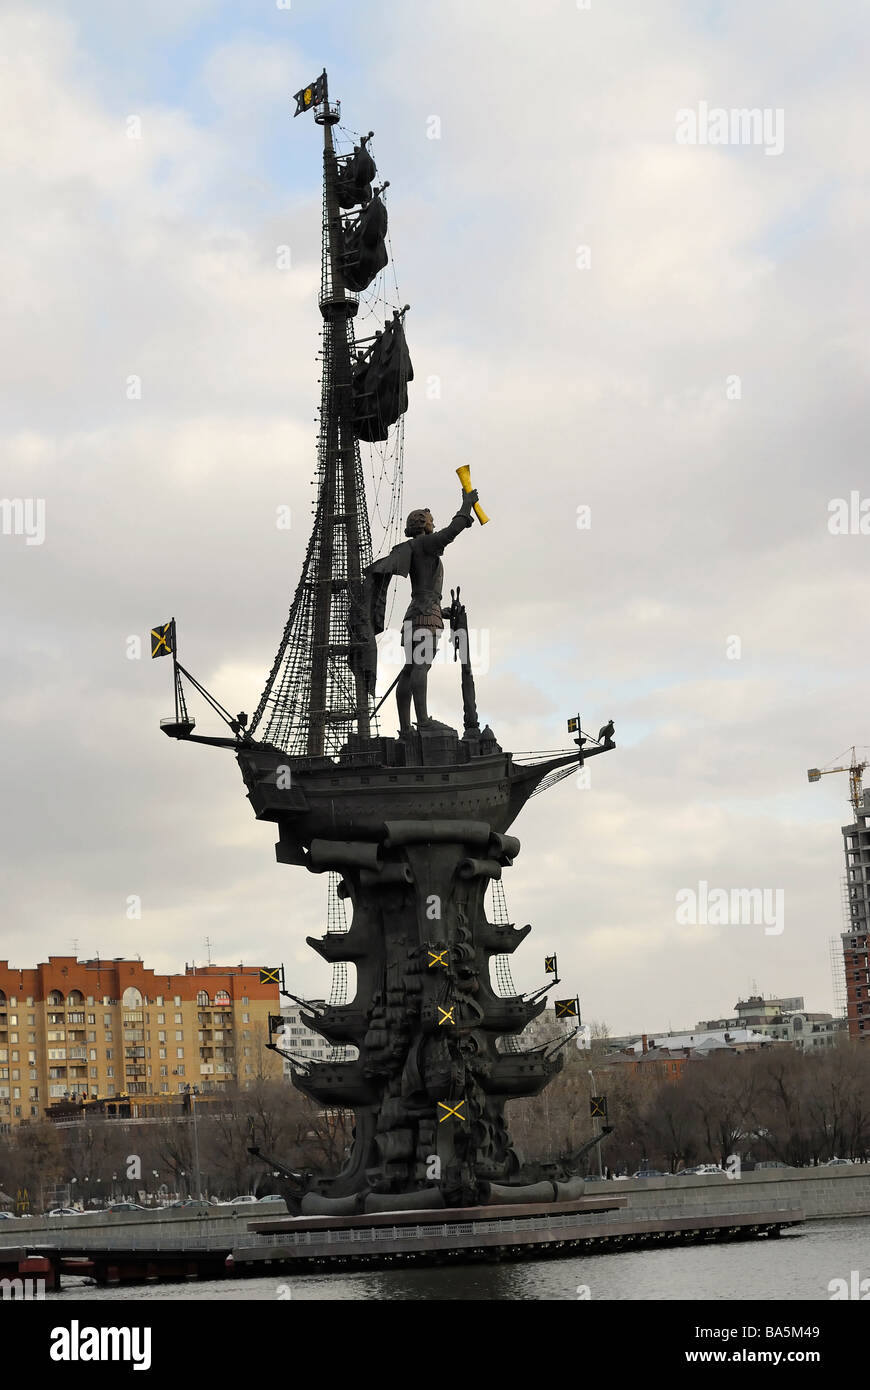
[{"x": 312, "y": 95}]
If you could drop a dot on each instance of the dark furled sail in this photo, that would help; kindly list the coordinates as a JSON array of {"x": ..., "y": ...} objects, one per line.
[
  {"x": 380, "y": 382},
  {"x": 354, "y": 177},
  {"x": 363, "y": 249}
]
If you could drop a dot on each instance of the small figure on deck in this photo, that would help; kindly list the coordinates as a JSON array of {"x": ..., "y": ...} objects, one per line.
[{"x": 420, "y": 558}]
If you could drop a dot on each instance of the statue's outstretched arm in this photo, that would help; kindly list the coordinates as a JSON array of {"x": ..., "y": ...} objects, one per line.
[{"x": 435, "y": 543}]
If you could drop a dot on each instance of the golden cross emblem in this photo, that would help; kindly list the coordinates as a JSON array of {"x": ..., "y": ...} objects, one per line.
[{"x": 450, "y": 1110}]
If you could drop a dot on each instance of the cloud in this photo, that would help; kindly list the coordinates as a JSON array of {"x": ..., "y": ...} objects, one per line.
[{"x": 155, "y": 257}]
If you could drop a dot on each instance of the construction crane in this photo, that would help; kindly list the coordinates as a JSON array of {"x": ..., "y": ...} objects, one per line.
[{"x": 855, "y": 770}]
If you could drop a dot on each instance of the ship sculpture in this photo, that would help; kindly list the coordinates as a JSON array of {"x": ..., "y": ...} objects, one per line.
[{"x": 411, "y": 830}]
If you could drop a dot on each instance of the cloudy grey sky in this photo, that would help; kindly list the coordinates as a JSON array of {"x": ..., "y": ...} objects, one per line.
[{"x": 569, "y": 378}]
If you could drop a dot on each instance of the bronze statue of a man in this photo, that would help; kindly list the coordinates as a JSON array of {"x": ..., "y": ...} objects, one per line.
[{"x": 419, "y": 557}]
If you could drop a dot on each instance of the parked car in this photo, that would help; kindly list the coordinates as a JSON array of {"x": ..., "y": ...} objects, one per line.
[
  {"x": 8, "y": 1216},
  {"x": 65, "y": 1211},
  {"x": 126, "y": 1206},
  {"x": 649, "y": 1173},
  {"x": 272, "y": 1197},
  {"x": 771, "y": 1163},
  {"x": 837, "y": 1162},
  {"x": 241, "y": 1201}
]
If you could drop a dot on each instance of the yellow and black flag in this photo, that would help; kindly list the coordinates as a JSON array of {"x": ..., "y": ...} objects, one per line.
[
  {"x": 276, "y": 1022},
  {"x": 598, "y": 1107},
  {"x": 312, "y": 95},
  {"x": 163, "y": 639},
  {"x": 574, "y": 725},
  {"x": 567, "y": 1008},
  {"x": 550, "y": 965},
  {"x": 270, "y": 974}
]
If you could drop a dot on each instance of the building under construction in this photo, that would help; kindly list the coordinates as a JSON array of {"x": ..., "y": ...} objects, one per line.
[{"x": 856, "y": 844}]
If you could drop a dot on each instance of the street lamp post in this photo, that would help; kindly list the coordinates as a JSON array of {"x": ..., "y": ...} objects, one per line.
[
  {"x": 193, "y": 1093},
  {"x": 595, "y": 1129}
]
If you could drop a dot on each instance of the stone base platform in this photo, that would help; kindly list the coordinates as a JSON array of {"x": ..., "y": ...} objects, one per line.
[{"x": 464, "y": 1235}]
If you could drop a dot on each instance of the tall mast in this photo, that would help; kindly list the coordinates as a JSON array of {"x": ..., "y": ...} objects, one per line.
[
  {"x": 341, "y": 496},
  {"x": 317, "y": 694}
]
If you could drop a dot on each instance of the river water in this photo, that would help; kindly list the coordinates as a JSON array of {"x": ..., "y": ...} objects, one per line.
[{"x": 799, "y": 1265}]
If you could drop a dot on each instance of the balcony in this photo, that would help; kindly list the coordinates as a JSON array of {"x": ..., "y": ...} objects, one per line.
[{"x": 206, "y": 1069}]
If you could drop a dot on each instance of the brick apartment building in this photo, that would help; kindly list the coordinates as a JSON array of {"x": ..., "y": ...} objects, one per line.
[{"x": 73, "y": 1030}]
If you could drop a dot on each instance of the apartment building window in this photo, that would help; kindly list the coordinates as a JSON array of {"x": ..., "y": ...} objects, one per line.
[
  {"x": 13, "y": 1020},
  {"x": 33, "y": 1074},
  {"x": 94, "y": 1073},
  {"x": 161, "y": 1037},
  {"x": 110, "y": 1089},
  {"x": 110, "y": 1071},
  {"x": 247, "y": 1052},
  {"x": 161, "y": 1018},
  {"x": 31, "y": 1020},
  {"x": 107, "y": 1020},
  {"x": 179, "y": 1052},
  {"x": 164, "y": 1071},
  {"x": 246, "y": 1018},
  {"x": 247, "y": 1068},
  {"x": 92, "y": 1018},
  {"x": 159, "y": 1001},
  {"x": 179, "y": 1037},
  {"x": 179, "y": 1018},
  {"x": 180, "y": 1071},
  {"x": 92, "y": 1054},
  {"x": 177, "y": 1000},
  {"x": 92, "y": 1037},
  {"x": 34, "y": 1093},
  {"x": 109, "y": 1053},
  {"x": 75, "y": 1018},
  {"x": 161, "y": 1052}
]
